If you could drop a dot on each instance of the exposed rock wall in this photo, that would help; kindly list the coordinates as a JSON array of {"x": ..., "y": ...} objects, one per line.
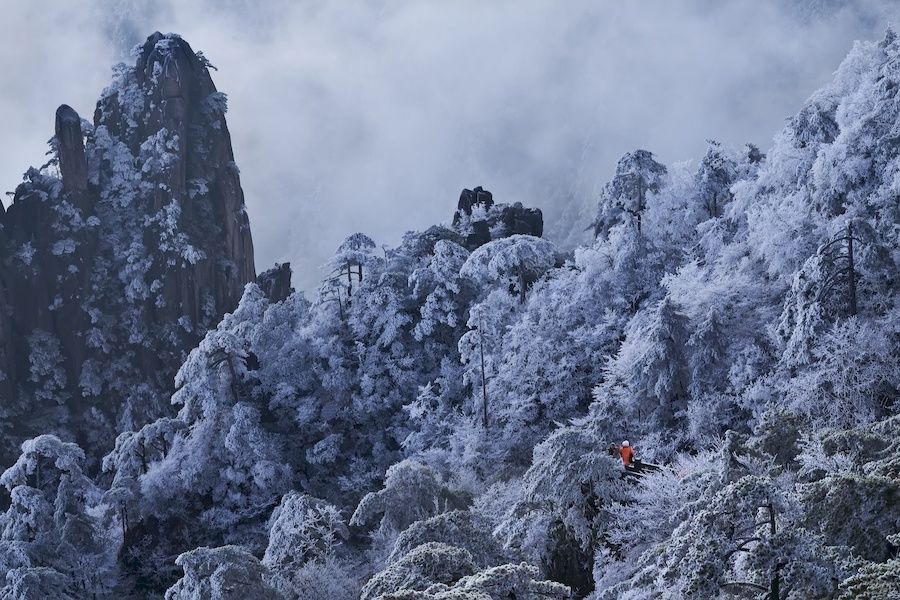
[{"x": 117, "y": 258}]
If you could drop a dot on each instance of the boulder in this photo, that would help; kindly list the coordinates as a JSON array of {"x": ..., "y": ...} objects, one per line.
[{"x": 519, "y": 220}]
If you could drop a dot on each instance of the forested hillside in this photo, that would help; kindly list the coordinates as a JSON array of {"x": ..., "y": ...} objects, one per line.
[{"x": 441, "y": 419}]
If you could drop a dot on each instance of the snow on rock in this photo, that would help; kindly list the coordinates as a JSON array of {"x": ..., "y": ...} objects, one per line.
[{"x": 110, "y": 245}]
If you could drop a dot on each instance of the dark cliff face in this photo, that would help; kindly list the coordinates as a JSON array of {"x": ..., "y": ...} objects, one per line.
[{"x": 116, "y": 258}]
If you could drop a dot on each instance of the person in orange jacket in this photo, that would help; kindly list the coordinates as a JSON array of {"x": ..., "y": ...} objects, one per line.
[{"x": 627, "y": 454}]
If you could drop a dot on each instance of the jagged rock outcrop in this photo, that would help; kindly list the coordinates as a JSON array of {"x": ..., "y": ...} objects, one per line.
[
  {"x": 276, "y": 282},
  {"x": 519, "y": 220},
  {"x": 480, "y": 220},
  {"x": 114, "y": 264},
  {"x": 70, "y": 149},
  {"x": 468, "y": 199}
]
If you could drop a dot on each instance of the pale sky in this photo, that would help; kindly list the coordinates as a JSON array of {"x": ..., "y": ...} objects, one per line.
[{"x": 372, "y": 115}]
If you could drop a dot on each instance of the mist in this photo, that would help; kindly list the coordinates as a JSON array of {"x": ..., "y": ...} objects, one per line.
[{"x": 372, "y": 116}]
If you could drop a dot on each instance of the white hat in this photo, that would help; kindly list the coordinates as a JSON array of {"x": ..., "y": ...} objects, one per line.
[{"x": 625, "y": 443}]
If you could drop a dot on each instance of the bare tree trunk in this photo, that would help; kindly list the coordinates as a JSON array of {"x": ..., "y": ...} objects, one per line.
[
  {"x": 143, "y": 455},
  {"x": 483, "y": 379},
  {"x": 775, "y": 584},
  {"x": 233, "y": 374},
  {"x": 851, "y": 270},
  {"x": 521, "y": 285},
  {"x": 640, "y": 206},
  {"x": 349, "y": 280}
]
